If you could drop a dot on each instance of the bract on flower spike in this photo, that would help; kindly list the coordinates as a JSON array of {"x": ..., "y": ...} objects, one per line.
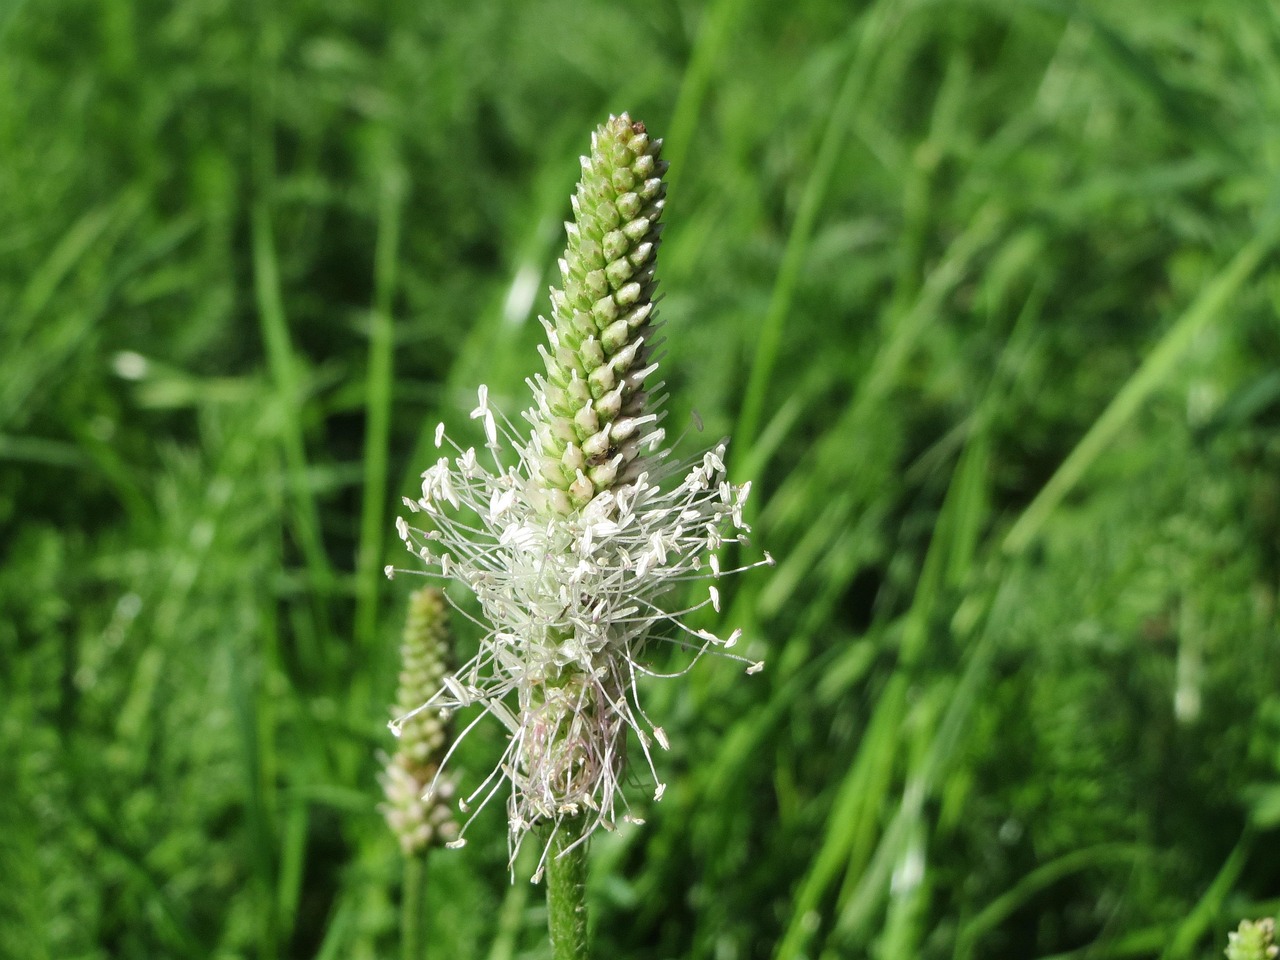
[
  {"x": 418, "y": 795},
  {"x": 572, "y": 535}
]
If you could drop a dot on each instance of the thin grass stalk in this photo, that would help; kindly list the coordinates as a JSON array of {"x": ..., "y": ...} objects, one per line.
[
  {"x": 378, "y": 382},
  {"x": 1155, "y": 370},
  {"x": 769, "y": 338},
  {"x": 283, "y": 363}
]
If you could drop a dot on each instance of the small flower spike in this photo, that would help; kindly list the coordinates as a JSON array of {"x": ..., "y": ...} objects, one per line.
[
  {"x": 572, "y": 535},
  {"x": 1253, "y": 940},
  {"x": 417, "y": 806}
]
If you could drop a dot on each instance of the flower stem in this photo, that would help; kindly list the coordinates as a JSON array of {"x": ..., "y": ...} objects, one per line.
[
  {"x": 567, "y": 892},
  {"x": 412, "y": 904}
]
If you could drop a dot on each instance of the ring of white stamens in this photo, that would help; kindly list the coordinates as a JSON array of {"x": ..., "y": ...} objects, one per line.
[{"x": 572, "y": 600}]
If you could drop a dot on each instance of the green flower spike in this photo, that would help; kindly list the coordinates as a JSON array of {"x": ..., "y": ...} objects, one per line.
[
  {"x": 417, "y": 805},
  {"x": 592, "y": 406},
  {"x": 1253, "y": 940}
]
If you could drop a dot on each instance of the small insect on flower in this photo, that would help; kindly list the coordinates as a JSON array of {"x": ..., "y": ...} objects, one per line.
[{"x": 572, "y": 532}]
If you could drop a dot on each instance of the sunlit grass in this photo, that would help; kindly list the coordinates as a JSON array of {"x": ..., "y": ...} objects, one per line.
[{"x": 985, "y": 293}]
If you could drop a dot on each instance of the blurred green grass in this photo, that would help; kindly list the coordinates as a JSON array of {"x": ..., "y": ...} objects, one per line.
[{"x": 986, "y": 294}]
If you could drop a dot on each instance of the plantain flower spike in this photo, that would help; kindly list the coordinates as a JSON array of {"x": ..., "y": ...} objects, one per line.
[
  {"x": 417, "y": 805},
  {"x": 592, "y": 405},
  {"x": 572, "y": 532},
  {"x": 1253, "y": 940}
]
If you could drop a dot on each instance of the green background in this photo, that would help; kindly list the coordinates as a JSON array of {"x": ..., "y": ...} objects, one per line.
[{"x": 986, "y": 294}]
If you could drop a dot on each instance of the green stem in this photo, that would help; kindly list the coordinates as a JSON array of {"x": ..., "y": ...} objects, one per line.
[
  {"x": 567, "y": 893},
  {"x": 412, "y": 902},
  {"x": 378, "y": 382}
]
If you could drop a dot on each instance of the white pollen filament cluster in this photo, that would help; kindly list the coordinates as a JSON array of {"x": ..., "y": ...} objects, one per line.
[{"x": 569, "y": 601}]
